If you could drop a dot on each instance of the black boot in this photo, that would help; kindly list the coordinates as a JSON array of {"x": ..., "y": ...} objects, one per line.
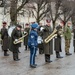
[
  {"x": 47, "y": 58},
  {"x": 15, "y": 56},
  {"x": 33, "y": 66},
  {"x": 26, "y": 48},
  {"x": 58, "y": 55},
  {"x": 5, "y": 53},
  {"x": 68, "y": 54},
  {"x": 41, "y": 51}
]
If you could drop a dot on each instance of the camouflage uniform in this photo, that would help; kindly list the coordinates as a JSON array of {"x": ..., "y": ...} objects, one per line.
[{"x": 67, "y": 35}]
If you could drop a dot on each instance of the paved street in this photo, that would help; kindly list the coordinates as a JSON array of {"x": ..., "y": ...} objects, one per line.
[{"x": 64, "y": 66}]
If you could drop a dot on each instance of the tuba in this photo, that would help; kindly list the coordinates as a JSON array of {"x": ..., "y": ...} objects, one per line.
[
  {"x": 20, "y": 39},
  {"x": 51, "y": 36}
]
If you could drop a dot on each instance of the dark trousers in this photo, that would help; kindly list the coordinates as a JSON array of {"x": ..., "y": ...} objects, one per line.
[
  {"x": 15, "y": 55},
  {"x": 32, "y": 55},
  {"x": 25, "y": 47},
  {"x": 5, "y": 52},
  {"x": 57, "y": 54},
  {"x": 47, "y": 57},
  {"x": 41, "y": 51}
]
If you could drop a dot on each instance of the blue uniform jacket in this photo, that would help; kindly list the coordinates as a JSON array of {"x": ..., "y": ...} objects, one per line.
[{"x": 32, "y": 40}]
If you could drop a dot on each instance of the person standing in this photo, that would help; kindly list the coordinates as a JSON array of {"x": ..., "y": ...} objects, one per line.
[
  {"x": 67, "y": 35},
  {"x": 26, "y": 30},
  {"x": 14, "y": 48},
  {"x": 40, "y": 40},
  {"x": 33, "y": 44},
  {"x": 4, "y": 37},
  {"x": 57, "y": 42},
  {"x": 48, "y": 47}
]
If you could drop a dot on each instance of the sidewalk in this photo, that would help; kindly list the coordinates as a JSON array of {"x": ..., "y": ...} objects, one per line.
[{"x": 64, "y": 66}]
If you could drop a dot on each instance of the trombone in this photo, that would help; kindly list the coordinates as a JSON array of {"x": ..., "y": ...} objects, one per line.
[{"x": 20, "y": 39}]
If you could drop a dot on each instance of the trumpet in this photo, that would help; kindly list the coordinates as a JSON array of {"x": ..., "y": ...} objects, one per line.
[
  {"x": 20, "y": 39},
  {"x": 50, "y": 37}
]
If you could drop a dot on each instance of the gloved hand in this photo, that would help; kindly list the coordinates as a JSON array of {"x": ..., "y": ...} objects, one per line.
[
  {"x": 16, "y": 39},
  {"x": 42, "y": 28},
  {"x": 25, "y": 32}
]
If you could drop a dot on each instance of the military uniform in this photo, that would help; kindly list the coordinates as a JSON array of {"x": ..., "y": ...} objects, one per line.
[
  {"x": 67, "y": 35},
  {"x": 4, "y": 37},
  {"x": 48, "y": 47},
  {"x": 15, "y": 47},
  {"x": 57, "y": 42},
  {"x": 26, "y": 38},
  {"x": 40, "y": 41}
]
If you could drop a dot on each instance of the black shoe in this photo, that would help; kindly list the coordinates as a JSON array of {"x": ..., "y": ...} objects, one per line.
[
  {"x": 35, "y": 64},
  {"x": 16, "y": 59},
  {"x": 49, "y": 61},
  {"x": 59, "y": 57},
  {"x": 19, "y": 52},
  {"x": 68, "y": 54},
  {"x": 6, "y": 54},
  {"x": 32, "y": 66}
]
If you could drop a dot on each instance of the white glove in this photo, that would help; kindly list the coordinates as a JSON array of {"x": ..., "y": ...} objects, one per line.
[
  {"x": 42, "y": 28},
  {"x": 16, "y": 39},
  {"x": 25, "y": 32},
  {"x": 55, "y": 37}
]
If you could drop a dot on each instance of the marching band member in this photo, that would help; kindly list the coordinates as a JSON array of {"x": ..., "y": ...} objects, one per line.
[
  {"x": 26, "y": 30},
  {"x": 4, "y": 37},
  {"x": 32, "y": 44},
  {"x": 57, "y": 42},
  {"x": 16, "y": 34},
  {"x": 48, "y": 47},
  {"x": 40, "y": 40}
]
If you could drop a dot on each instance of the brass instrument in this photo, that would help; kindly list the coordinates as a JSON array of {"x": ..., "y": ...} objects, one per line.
[
  {"x": 54, "y": 34},
  {"x": 51, "y": 36},
  {"x": 20, "y": 39}
]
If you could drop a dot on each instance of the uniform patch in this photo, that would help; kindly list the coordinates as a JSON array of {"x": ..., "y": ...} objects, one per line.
[{"x": 32, "y": 36}]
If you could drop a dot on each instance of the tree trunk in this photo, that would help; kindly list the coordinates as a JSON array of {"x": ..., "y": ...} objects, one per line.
[{"x": 13, "y": 10}]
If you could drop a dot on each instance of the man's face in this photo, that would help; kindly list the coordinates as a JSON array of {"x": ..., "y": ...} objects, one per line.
[
  {"x": 18, "y": 28},
  {"x": 4, "y": 25},
  {"x": 48, "y": 24}
]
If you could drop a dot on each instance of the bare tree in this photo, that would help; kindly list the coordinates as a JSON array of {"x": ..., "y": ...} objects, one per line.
[
  {"x": 68, "y": 11},
  {"x": 39, "y": 9},
  {"x": 14, "y": 9},
  {"x": 54, "y": 13}
]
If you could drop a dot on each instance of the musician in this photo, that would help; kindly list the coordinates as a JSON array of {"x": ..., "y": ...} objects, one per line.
[
  {"x": 14, "y": 48},
  {"x": 67, "y": 35},
  {"x": 32, "y": 44},
  {"x": 26, "y": 30},
  {"x": 40, "y": 40},
  {"x": 4, "y": 37},
  {"x": 48, "y": 47},
  {"x": 57, "y": 42}
]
